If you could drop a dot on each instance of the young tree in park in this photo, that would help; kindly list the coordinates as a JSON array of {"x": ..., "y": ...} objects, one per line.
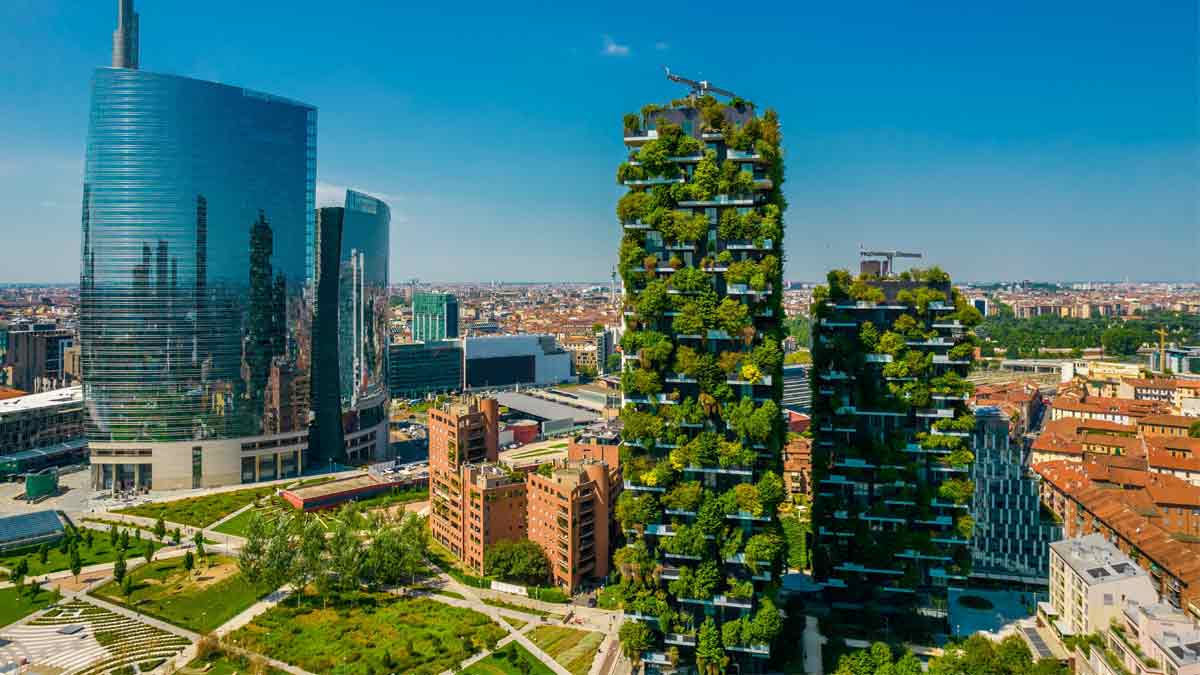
[
  {"x": 43, "y": 553},
  {"x": 19, "y": 571},
  {"x": 113, "y": 535},
  {"x": 277, "y": 560},
  {"x": 149, "y": 551},
  {"x": 309, "y": 563},
  {"x": 251, "y": 557},
  {"x": 34, "y": 587},
  {"x": 127, "y": 586},
  {"x": 123, "y": 540},
  {"x": 198, "y": 539},
  {"x": 87, "y": 537},
  {"x": 414, "y": 540},
  {"x": 119, "y": 567},
  {"x": 345, "y": 557},
  {"x": 189, "y": 562},
  {"x": 76, "y": 564},
  {"x": 522, "y": 561},
  {"x": 160, "y": 528},
  {"x": 176, "y": 536}
]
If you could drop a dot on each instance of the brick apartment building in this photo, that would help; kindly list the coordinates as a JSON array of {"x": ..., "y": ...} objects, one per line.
[
  {"x": 475, "y": 502},
  {"x": 1119, "y": 410},
  {"x": 570, "y": 507}
]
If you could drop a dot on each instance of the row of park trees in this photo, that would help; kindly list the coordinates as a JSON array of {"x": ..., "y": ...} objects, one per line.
[{"x": 330, "y": 555}]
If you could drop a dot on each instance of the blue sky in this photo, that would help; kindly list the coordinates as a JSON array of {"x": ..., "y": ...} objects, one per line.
[{"x": 1006, "y": 140}]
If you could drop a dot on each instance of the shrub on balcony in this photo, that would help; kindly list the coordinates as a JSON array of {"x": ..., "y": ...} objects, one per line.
[
  {"x": 733, "y": 632},
  {"x": 707, "y": 580},
  {"x": 633, "y": 206},
  {"x": 627, "y": 172},
  {"x": 724, "y": 258},
  {"x": 743, "y": 498},
  {"x": 710, "y": 655},
  {"x": 767, "y": 624},
  {"x": 965, "y": 526},
  {"x": 684, "y": 497},
  {"x": 751, "y": 373},
  {"x": 636, "y": 637},
  {"x": 681, "y": 586},
  {"x": 741, "y": 589},
  {"x": 920, "y": 298},
  {"x": 732, "y": 316},
  {"x": 652, "y": 348},
  {"x": 962, "y": 423},
  {"x": 653, "y": 300},
  {"x": 763, "y": 549},
  {"x": 689, "y": 280},
  {"x": 767, "y": 356},
  {"x": 959, "y": 458},
  {"x": 641, "y": 427},
  {"x": 731, "y": 543},
  {"x": 963, "y": 351},
  {"x": 957, "y": 490},
  {"x": 632, "y": 123},
  {"x": 861, "y": 291},
  {"x": 635, "y": 565},
  {"x": 687, "y": 540},
  {"x": 690, "y": 320},
  {"x": 705, "y": 179},
  {"x": 750, "y": 422},
  {"x": 733, "y": 453},
  {"x": 770, "y": 491},
  {"x": 635, "y": 510},
  {"x": 711, "y": 517},
  {"x": 641, "y": 382}
]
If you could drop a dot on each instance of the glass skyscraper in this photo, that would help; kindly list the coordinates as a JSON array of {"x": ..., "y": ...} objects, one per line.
[
  {"x": 195, "y": 326},
  {"x": 434, "y": 317}
]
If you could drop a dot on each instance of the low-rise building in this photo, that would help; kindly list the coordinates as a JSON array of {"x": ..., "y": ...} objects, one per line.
[
  {"x": 1134, "y": 642},
  {"x": 1119, "y": 410},
  {"x": 1165, "y": 425},
  {"x": 40, "y": 430},
  {"x": 1090, "y": 582}
]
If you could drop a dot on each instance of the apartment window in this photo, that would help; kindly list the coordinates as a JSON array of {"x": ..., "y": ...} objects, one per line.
[{"x": 1108, "y": 599}]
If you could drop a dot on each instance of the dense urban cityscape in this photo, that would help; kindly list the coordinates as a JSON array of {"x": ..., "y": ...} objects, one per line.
[{"x": 243, "y": 441}]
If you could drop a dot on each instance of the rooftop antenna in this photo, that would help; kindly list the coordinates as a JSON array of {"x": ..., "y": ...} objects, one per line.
[
  {"x": 889, "y": 262},
  {"x": 698, "y": 87}
]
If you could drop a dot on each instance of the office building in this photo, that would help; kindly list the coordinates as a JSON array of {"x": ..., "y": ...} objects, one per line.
[
  {"x": 892, "y": 453},
  {"x": 1012, "y": 533},
  {"x": 700, "y": 261},
  {"x": 421, "y": 368},
  {"x": 41, "y": 430},
  {"x": 350, "y": 331},
  {"x": 197, "y": 242},
  {"x": 605, "y": 340},
  {"x": 434, "y": 317},
  {"x": 36, "y": 357},
  {"x": 506, "y": 360},
  {"x": 1090, "y": 582},
  {"x": 797, "y": 392}
]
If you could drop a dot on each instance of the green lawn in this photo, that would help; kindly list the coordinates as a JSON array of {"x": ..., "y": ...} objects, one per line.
[
  {"x": 199, "y": 511},
  {"x": 164, "y": 589},
  {"x": 505, "y": 660},
  {"x": 514, "y": 621},
  {"x": 500, "y": 604},
  {"x": 222, "y": 663},
  {"x": 270, "y": 508},
  {"x": 573, "y": 649},
  {"x": 101, "y": 552},
  {"x": 370, "y": 632},
  {"x": 14, "y": 606}
]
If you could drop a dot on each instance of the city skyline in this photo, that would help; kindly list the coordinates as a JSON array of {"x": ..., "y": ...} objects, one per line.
[{"x": 904, "y": 133}]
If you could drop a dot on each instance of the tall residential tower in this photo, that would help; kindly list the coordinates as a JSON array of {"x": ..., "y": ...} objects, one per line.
[
  {"x": 700, "y": 259},
  {"x": 892, "y": 453}
]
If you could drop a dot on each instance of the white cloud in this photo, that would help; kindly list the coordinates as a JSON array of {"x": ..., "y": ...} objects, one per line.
[
  {"x": 662, "y": 46},
  {"x": 611, "y": 48}
]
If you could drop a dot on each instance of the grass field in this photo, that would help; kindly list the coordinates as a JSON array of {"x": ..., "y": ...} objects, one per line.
[
  {"x": 200, "y": 601},
  {"x": 514, "y": 621},
  {"x": 269, "y": 508},
  {"x": 14, "y": 606},
  {"x": 198, "y": 511},
  {"x": 500, "y": 604},
  {"x": 573, "y": 649},
  {"x": 505, "y": 662},
  {"x": 102, "y": 551},
  {"x": 223, "y": 663},
  {"x": 370, "y": 632}
]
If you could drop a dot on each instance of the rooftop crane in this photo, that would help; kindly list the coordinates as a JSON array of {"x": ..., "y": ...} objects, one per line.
[
  {"x": 889, "y": 256},
  {"x": 699, "y": 87}
]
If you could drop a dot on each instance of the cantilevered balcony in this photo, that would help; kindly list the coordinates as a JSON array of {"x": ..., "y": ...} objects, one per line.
[
  {"x": 640, "y": 137},
  {"x": 656, "y": 180},
  {"x": 722, "y": 200},
  {"x": 743, "y": 155},
  {"x": 680, "y": 639},
  {"x": 763, "y": 651},
  {"x": 643, "y": 488},
  {"x": 862, "y": 569}
]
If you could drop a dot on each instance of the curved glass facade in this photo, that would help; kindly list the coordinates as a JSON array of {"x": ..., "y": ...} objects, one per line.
[{"x": 197, "y": 246}]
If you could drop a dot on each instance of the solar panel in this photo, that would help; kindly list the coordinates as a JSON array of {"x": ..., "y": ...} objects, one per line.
[
  {"x": 1122, "y": 568},
  {"x": 1039, "y": 645},
  {"x": 1098, "y": 572},
  {"x": 29, "y": 526}
]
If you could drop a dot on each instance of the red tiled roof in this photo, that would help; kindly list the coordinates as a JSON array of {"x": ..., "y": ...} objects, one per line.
[{"x": 1178, "y": 421}]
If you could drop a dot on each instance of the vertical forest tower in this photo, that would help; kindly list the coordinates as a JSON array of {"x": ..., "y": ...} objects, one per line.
[
  {"x": 700, "y": 261},
  {"x": 893, "y": 453}
]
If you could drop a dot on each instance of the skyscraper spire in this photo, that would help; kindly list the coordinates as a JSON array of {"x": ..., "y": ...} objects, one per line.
[{"x": 125, "y": 37}]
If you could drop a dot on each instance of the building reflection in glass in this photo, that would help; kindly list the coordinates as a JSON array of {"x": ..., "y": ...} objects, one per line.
[{"x": 198, "y": 202}]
